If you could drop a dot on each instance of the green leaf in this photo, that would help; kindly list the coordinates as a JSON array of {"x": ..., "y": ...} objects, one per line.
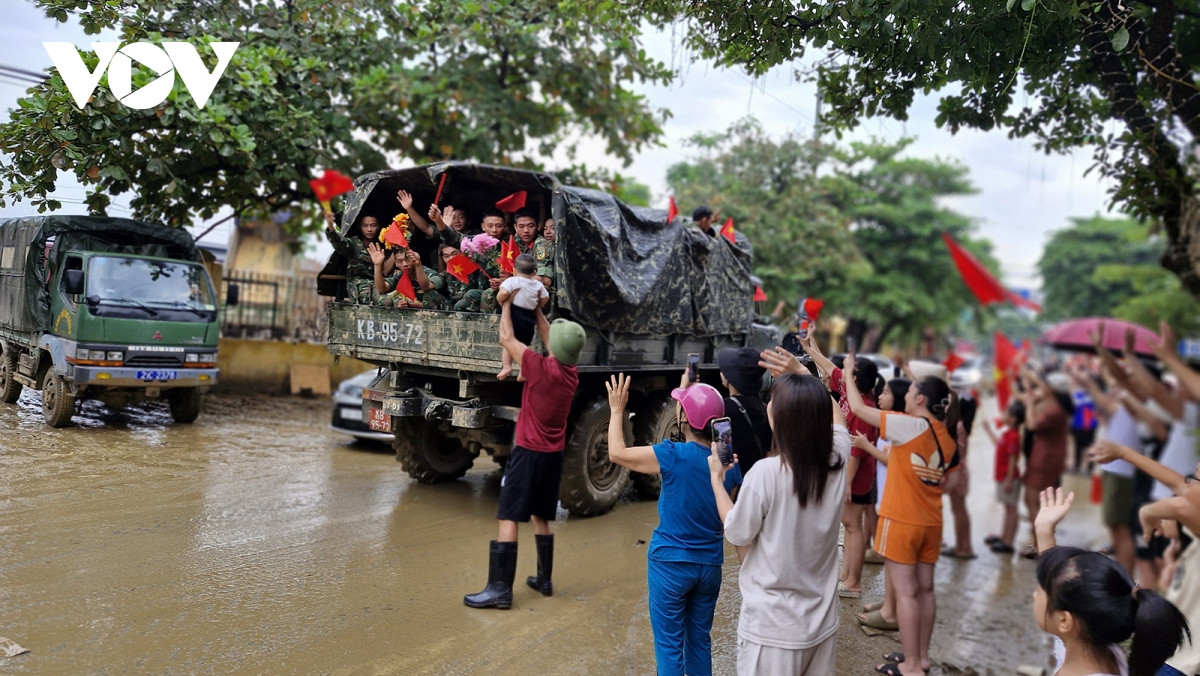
[
  {"x": 1028, "y": 5},
  {"x": 1009, "y": 5},
  {"x": 1120, "y": 39}
]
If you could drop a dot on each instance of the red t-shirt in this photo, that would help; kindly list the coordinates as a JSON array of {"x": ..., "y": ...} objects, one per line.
[
  {"x": 865, "y": 476},
  {"x": 545, "y": 402},
  {"x": 1008, "y": 449}
]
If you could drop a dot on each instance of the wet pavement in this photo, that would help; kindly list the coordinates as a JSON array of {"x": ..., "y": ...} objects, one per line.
[{"x": 258, "y": 541}]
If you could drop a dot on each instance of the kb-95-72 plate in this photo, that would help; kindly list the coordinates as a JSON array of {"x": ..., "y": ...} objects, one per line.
[{"x": 157, "y": 375}]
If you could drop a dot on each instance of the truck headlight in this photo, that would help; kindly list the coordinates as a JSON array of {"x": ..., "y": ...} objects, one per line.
[
  {"x": 94, "y": 355},
  {"x": 115, "y": 356},
  {"x": 191, "y": 358},
  {"x": 209, "y": 358}
]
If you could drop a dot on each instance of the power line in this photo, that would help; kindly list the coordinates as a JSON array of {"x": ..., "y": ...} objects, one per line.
[{"x": 33, "y": 75}]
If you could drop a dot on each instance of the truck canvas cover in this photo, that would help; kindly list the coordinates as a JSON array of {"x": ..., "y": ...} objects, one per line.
[
  {"x": 25, "y": 298},
  {"x": 620, "y": 268}
]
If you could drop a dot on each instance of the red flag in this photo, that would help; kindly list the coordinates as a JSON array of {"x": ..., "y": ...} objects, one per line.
[
  {"x": 512, "y": 203},
  {"x": 404, "y": 286},
  {"x": 461, "y": 267},
  {"x": 672, "y": 210},
  {"x": 1005, "y": 356},
  {"x": 727, "y": 231},
  {"x": 978, "y": 278},
  {"x": 330, "y": 185},
  {"x": 812, "y": 308},
  {"x": 952, "y": 362},
  {"x": 759, "y": 294},
  {"x": 395, "y": 235},
  {"x": 508, "y": 255},
  {"x": 441, "y": 184}
]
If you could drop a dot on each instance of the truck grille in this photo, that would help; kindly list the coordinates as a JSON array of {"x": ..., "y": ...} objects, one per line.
[{"x": 154, "y": 361}]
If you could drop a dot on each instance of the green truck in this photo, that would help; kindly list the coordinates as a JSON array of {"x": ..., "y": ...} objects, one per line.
[
  {"x": 647, "y": 291},
  {"x": 104, "y": 308}
]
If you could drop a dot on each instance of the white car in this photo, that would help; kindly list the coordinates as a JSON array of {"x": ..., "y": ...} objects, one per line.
[
  {"x": 347, "y": 408},
  {"x": 969, "y": 375}
]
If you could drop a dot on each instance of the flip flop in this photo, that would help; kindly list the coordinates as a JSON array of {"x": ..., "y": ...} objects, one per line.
[
  {"x": 868, "y": 607},
  {"x": 949, "y": 551},
  {"x": 874, "y": 619},
  {"x": 991, "y": 539},
  {"x": 896, "y": 657},
  {"x": 1001, "y": 548},
  {"x": 888, "y": 669},
  {"x": 848, "y": 593}
]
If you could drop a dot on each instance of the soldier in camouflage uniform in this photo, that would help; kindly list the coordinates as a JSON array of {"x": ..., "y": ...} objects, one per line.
[
  {"x": 493, "y": 224},
  {"x": 359, "y": 268},
  {"x": 543, "y": 251},
  {"x": 426, "y": 282},
  {"x": 464, "y": 296}
]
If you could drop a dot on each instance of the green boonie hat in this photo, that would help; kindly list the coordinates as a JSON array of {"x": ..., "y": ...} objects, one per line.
[{"x": 566, "y": 341}]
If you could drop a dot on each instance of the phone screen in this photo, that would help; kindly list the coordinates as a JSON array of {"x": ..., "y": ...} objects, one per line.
[
  {"x": 723, "y": 435},
  {"x": 851, "y": 344},
  {"x": 693, "y": 368}
]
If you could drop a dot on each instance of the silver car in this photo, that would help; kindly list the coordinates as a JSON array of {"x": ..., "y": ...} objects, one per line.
[{"x": 348, "y": 412}]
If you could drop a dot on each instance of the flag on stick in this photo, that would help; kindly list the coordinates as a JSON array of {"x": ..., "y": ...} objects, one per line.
[
  {"x": 978, "y": 278},
  {"x": 727, "y": 231},
  {"x": 330, "y": 185},
  {"x": 759, "y": 294},
  {"x": 404, "y": 286},
  {"x": 672, "y": 210},
  {"x": 441, "y": 184},
  {"x": 952, "y": 362},
  {"x": 513, "y": 202},
  {"x": 1005, "y": 356},
  {"x": 460, "y": 267}
]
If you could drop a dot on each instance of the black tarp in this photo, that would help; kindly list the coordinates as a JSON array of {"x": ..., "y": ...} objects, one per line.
[
  {"x": 619, "y": 268},
  {"x": 27, "y": 306}
]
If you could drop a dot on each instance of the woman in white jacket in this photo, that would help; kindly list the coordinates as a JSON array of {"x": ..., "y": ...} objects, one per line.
[{"x": 785, "y": 529}]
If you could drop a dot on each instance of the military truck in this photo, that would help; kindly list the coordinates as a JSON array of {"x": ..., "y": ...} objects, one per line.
[
  {"x": 648, "y": 293},
  {"x": 104, "y": 308}
]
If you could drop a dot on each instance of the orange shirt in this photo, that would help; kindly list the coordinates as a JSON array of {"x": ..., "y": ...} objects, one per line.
[{"x": 913, "y": 492}]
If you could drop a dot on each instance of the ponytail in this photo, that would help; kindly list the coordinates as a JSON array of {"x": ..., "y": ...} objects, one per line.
[{"x": 1159, "y": 630}]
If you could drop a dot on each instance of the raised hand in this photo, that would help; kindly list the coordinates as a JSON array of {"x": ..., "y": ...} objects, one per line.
[
  {"x": 329, "y": 220},
  {"x": 1105, "y": 451},
  {"x": 1130, "y": 341},
  {"x": 435, "y": 215},
  {"x": 779, "y": 361},
  {"x": 618, "y": 392},
  {"x": 1097, "y": 336},
  {"x": 405, "y": 199},
  {"x": 849, "y": 363},
  {"x": 1165, "y": 348},
  {"x": 448, "y": 215},
  {"x": 1055, "y": 505},
  {"x": 378, "y": 255}
]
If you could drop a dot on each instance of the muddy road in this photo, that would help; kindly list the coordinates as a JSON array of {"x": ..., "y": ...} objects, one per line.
[{"x": 257, "y": 541}]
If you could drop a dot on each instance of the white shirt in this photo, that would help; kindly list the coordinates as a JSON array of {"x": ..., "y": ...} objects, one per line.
[
  {"x": 1180, "y": 452},
  {"x": 526, "y": 292},
  {"x": 1060, "y": 653},
  {"x": 1122, "y": 429},
  {"x": 789, "y": 579}
]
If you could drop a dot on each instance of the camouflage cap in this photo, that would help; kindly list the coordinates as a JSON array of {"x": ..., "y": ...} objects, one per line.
[{"x": 566, "y": 341}]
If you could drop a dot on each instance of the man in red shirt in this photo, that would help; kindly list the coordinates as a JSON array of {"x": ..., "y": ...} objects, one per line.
[{"x": 529, "y": 489}]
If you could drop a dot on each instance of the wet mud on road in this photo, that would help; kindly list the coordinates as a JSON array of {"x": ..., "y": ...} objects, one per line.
[{"x": 258, "y": 541}]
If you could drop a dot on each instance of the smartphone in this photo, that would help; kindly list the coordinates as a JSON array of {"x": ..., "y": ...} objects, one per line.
[
  {"x": 723, "y": 435},
  {"x": 851, "y": 345},
  {"x": 693, "y": 368}
]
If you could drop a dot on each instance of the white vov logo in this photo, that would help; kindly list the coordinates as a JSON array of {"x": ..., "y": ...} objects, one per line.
[{"x": 118, "y": 60}]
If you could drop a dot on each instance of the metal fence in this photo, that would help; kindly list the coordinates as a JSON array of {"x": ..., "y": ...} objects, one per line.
[{"x": 274, "y": 306}]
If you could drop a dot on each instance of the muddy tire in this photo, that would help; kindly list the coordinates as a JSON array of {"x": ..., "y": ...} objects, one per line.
[
  {"x": 10, "y": 390},
  {"x": 58, "y": 403},
  {"x": 655, "y": 421},
  {"x": 590, "y": 484},
  {"x": 185, "y": 404},
  {"x": 428, "y": 454}
]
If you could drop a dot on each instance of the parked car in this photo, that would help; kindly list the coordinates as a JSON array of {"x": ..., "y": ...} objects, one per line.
[
  {"x": 969, "y": 375},
  {"x": 348, "y": 411}
]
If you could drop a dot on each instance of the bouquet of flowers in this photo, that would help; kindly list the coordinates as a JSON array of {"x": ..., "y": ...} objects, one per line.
[
  {"x": 396, "y": 235},
  {"x": 480, "y": 245}
]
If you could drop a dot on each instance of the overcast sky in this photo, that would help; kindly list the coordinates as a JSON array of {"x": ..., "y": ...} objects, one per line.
[{"x": 1024, "y": 195}]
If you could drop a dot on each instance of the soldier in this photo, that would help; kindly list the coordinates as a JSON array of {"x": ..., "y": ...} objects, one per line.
[
  {"x": 543, "y": 251},
  {"x": 526, "y": 227},
  {"x": 425, "y": 281},
  {"x": 464, "y": 296},
  {"x": 703, "y": 217},
  {"x": 359, "y": 270},
  {"x": 425, "y": 238},
  {"x": 493, "y": 225}
]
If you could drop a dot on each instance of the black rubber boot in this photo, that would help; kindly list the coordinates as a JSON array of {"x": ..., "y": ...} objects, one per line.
[
  {"x": 502, "y": 569},
  {"x": 545, "y": 552}
]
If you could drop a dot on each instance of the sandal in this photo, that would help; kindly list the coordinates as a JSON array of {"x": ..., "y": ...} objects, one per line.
[
  {"x": 1030, "y": 553},
  {"x": 868, "y": 607},
  {"x": 872, "y": 557},
  {"x": 888, "y": 669},
  {"x": 1002, "y": 548},
  {"x": 992, "y": 539},
  {"x": 874, "y": 619},
  {"x": 949, "y": 551},
  {"x": 847, "y": 593}
]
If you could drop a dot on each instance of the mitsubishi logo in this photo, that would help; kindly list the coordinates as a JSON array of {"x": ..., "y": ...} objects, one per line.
[{"x": 157, "y": 335}]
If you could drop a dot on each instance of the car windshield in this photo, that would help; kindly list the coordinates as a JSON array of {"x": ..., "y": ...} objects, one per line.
[{"x": 153, "y": 283}]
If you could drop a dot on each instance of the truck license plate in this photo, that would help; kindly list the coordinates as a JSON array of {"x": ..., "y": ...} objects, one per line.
[
  {"x": 378, "y": 420},
  {"x": 157, "y": 375}
]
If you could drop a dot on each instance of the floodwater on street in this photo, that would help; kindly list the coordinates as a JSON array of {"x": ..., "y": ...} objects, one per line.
[{"x": 258, "y": 541}]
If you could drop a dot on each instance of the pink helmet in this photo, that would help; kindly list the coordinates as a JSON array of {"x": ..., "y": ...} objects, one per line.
[{"x": 701, "y": 404}]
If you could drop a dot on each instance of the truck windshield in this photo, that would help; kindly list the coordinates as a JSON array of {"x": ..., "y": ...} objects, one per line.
[{"x": 149, "y": 286}]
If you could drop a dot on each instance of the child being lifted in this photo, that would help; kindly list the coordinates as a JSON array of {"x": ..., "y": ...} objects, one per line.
[{"x": 528, "y": 295}]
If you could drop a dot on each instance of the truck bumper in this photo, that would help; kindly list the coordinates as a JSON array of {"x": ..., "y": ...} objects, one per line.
[
  {"x": 383, "y": 406},
  {"x": 101, "y": 376}
]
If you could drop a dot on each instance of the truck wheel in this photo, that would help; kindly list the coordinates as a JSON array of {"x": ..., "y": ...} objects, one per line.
[
  {"x": 58, "y": 404},
  {"x": 10, "y": 390},
  {"x": 428, "y": 454},
  {"x": 654, "y": 422},
  {"x": 590, "y": 483},
  {"x": 185, "y": 404}
]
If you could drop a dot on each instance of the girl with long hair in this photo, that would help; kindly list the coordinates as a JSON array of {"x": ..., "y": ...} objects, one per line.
[
  {"x": 785, "y": 529},
  {"x": 909, "y": 532}
]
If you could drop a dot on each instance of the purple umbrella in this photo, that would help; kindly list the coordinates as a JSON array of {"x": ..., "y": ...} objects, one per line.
[{"x": 1075, "y": 335}]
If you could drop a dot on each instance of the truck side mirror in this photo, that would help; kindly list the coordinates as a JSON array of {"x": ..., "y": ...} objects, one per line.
[
  {"x": 73, "y": 282},
  {"x": 231, "y": 294}
]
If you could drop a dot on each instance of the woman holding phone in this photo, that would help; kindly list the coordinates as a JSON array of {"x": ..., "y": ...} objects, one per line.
[
  {"x": 686, "y": 551},
  {"x": 785, "y": 529}
]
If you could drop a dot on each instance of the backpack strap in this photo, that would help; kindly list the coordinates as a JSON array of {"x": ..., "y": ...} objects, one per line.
[{"x": 749, "y": 425}]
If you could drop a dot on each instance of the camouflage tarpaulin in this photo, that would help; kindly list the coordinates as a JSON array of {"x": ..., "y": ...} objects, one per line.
[
  {"x": 619, "y": 268},
  {"x": 26, "y": 302}
]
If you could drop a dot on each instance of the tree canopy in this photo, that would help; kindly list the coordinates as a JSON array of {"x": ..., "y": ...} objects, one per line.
[
  {"x": 320, "y": 84},
  {"x": 859, "y": 227},
  {"x": 1119, "y": 76}
]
